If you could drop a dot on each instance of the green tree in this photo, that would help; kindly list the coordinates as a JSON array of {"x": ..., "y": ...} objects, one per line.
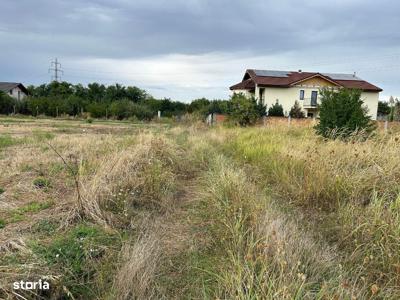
[
  {"x": 296, "y": 111},
  {"x": 276, "y": 110},
  {"x": 218, "y": 106},
  {"x": 245, "y": 111},
  {"x": 6, "y": 103},
  {"x": 383, "y": 108},
  {"x": 96, "y": 92},
  {"x": 97, "y": 109},
  {"x": 135, "y": 94},
  {"x": 199, "y": 105},
  {"x": 342, "y": 113}
]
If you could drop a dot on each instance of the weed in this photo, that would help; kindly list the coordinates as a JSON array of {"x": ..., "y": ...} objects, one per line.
[
  {"x": 18, "y": 214},
  {"x": 2, "y": 191},
  {"x": 45, "y": 227},
  {"x": 41, "y": 182},
  {"x": 75, "y": 254}
]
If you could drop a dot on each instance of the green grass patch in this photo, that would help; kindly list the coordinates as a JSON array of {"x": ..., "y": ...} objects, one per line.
[
  {"x": 45, "y": 226},
  {"x": 41, "y": 136},
  {"x": 18, "y": 214},
  {"x": 41, "y": 182},
  {"x": 7, "y": 141},
  {"x": 2, "y": 223},
  {"x": 2, "y": 191},
  {"x": 34, "y": 207},
  {"x": 55, "y": 168},
  {"x": 77, "y": 255}
]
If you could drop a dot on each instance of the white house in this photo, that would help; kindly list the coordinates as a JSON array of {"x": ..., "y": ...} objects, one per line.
[
  {"x": 285, "y": 87},
  {"x": 14, "y": 89}
]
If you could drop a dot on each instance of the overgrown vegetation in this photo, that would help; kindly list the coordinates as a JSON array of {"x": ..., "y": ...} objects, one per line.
[{"x": 193, "y": 212}]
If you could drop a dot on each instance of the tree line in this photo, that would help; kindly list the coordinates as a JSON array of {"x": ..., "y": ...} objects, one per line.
[{"x": 100, "y": 101}]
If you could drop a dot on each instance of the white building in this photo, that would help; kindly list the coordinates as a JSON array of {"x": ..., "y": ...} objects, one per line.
[
  {"x": 286, "y": 87},
  {"x": 14, "y": 89}
]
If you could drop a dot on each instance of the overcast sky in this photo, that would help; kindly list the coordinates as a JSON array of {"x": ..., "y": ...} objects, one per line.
[{"x": 186, "y": 49}]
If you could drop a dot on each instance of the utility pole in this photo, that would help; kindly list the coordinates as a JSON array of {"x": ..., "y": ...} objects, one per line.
[{"x": 55, "y": 69}]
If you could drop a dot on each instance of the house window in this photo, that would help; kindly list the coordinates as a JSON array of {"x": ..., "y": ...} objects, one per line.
[
  {"x": 10, "y": 92},
  {"x": 301, "y": 94},
  {"x": 314, "y": 96}
]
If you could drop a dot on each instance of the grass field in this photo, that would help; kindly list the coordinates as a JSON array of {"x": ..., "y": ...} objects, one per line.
[{"x": 117, "y": 210}]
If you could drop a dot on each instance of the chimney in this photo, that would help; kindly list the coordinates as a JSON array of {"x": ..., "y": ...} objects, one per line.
[
  {"x": 300, "y": 70},
  {"x": 354, "y": 74}
]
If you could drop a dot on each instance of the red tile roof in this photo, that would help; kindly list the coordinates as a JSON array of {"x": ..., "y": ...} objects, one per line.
[
  {"x": 247, "y": 84},
  {"x": 289, "y": 78}
]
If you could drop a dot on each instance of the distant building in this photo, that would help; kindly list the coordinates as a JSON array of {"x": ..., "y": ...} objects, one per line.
[
  {"x": 286, "y": 87},
  {"x": 14, "y": 89}
]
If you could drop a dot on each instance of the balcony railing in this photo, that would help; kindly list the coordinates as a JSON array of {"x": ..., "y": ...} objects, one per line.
[{"x": 309, "y": 102}]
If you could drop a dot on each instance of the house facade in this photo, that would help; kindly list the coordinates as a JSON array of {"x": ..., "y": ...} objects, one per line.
[
  {"x": 286, "y": 87},
  {"x": 14, "y": 89}
]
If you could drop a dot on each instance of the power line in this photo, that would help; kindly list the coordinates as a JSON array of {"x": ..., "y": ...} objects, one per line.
[{"x": 55, "y": 67}]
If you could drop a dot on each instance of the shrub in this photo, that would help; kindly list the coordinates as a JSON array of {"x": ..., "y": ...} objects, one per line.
[
  {"x": 276, "y": 110},
  {"x": 6, "y": 103},
  {"x": 296, "y": 111},
  {"x": 245, "y": 111},
  {"x": 89, "y": 120},
  {"x": 1, "y": 191},
  {"x": 2, "y": 223},
  {"x": 342, "y": 113}
]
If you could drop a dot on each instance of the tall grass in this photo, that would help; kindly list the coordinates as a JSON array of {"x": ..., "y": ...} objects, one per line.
[
  {"x": 141, "y": 176},
  {"x": 263, "y": 254},
  {"x": 254, "y": 213},
  {"x": 348, "y": 192}
]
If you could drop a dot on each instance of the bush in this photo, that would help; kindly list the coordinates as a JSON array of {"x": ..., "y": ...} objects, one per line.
[
  {"x": 276, "y": 110},
  {"x": 245, "y": 111},
  {"x": 296, "y": 111},
  {"x": 342, "y": 113},
  {"x": 6, "y": 103}
]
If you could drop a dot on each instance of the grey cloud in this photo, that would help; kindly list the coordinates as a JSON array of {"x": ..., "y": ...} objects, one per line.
[{"x": 32, "y": 32}]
